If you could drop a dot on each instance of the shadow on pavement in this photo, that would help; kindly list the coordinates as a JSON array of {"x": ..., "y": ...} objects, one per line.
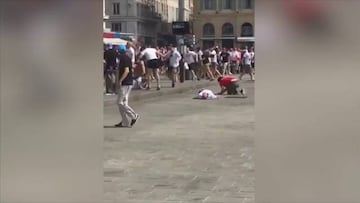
[{"x": 238, "y": 97}]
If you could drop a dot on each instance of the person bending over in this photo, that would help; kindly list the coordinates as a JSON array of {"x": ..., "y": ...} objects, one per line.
[{"x": 229, "y": 85}]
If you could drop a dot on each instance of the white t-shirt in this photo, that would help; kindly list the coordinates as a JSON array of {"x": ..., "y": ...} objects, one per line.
[
  {"x": 149, "y": 53},
  {"x": 200, "y": 54},
  {"x": 190, "y": 57},
  {"x": 247, "y": 58},
  {"x": 130, "y": 52},
  {"x": 213, "y": 59},
  {"x": 206, "y": 94},
  {"x": 174, "y": 58},
  {"x": 234, "y": 55},
  {"x": 252, "y": 55}
]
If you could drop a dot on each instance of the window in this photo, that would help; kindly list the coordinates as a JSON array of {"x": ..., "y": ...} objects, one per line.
[
  {"x": 116, "y": 8},
  {"x": 208, "y": 30},
  {"x": 228, "y": 29},
  {"x": 247, "y": 30},
  {"x": 208, "y": 4},
  {"x": 246, "y": 4},
  {"x": 228, "y": 4},
  {"x": 249, "y": 4},
  {"x": 116, "y": 27}
]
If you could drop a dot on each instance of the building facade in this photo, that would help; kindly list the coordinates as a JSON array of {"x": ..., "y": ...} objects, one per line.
[
  {"x": 225, "y": 23},
  {"x": 146, "y": 21}
]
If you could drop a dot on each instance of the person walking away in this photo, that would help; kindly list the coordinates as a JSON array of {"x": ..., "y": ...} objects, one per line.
[
  {"x": 199, "y": 64},
  {"x": 174, "y": 57},
  {"x": 234, "y": 55},
  {"x": 225, "y": 58},
  {"x": 230, "y": 85},
  {"x": 152, "y": 64},
  {"x": 239, "y": 61},
  {"x": 206, "y": 65},
  {"x": 125, "y": 86},
  {"x": 247, "y": 66},
  {"x": 191, "y": 59},
  {"x": 252, "y": 54},
  {"x": 214, "y": 63},
  {"x": 110, "y": 56}
]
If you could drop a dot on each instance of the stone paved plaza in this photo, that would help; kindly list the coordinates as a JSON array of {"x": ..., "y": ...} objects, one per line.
[{"x": 182, "y": 151}]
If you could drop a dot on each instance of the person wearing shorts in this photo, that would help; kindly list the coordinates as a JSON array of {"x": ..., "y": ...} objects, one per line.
[
  {"x": 152, "y": 64},
  {"x": 191, "y": 58},
  {"x": 174, "y": 62},
  {"x": 247, "y": 66},
  {"x": 206, "y": 66},
  {"x": 214, "y": 63}
]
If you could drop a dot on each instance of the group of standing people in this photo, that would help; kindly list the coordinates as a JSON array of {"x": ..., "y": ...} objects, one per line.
[{"x": 217, "y": 62}]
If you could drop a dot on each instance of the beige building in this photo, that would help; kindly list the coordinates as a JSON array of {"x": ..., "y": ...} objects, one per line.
[{"x": 225, "y": 23}]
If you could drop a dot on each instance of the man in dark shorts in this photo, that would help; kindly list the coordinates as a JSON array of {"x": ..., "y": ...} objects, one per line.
[
  {"x": 152, "y": 63},
  {"x": 229, "y": 85},
  {"x": 191, "y": 58},
  {"x": 247, "y": 66}
]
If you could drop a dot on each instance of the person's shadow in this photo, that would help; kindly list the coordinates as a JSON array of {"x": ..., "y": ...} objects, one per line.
[{"x": 236, "y": 96}]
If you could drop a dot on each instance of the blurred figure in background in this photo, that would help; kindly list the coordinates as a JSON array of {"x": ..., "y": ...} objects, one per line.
[
  {"x": 191, "y": 59},
  {"x": 110, "y": 58}
]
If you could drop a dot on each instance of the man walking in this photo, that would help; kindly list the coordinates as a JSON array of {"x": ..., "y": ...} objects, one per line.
[
  {"x": 225, "y": 56},
  {"x": 247, "y": 65},
  {"x": 191, "y": 58},
  {"x": 152, "y": 64},
  {"x": 174, "y": 61},
  {"x": 125, "y": 86}
]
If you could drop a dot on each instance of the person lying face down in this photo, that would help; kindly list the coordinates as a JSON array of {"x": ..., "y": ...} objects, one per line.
[{"x": 206, "y": 94}]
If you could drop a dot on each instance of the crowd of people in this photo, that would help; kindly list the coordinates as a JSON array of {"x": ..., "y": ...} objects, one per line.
[
  {"x": 126, "y": 67},
  {"x": 149, "y": 63}
]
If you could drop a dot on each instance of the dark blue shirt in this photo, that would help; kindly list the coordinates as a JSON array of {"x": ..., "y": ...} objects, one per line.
[{"x": 125, "y": 62}]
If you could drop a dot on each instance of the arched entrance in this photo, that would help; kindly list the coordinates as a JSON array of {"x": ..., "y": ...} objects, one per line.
[
  {"x": 247, "y": 30},
  {"x": 208, "y": 33},
  {"x": 228, "y": 35}
]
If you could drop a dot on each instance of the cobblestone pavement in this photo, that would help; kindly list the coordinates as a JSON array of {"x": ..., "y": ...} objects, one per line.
[{"x": 182, "y": 151}]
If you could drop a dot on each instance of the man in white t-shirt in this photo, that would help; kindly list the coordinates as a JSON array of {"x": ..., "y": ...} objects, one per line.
[
  {"x": 214, "y": 63},
  {"x": 191, "y": 58},
  {"x": 152, "y": 65},
  {"x": 174, "y": 57},
  {"x": 247, "y": 65},
  {"x": 206, "y": 94}
]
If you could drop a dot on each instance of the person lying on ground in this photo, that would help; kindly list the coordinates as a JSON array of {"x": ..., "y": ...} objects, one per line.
[{"x": 206, "y": 94}]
